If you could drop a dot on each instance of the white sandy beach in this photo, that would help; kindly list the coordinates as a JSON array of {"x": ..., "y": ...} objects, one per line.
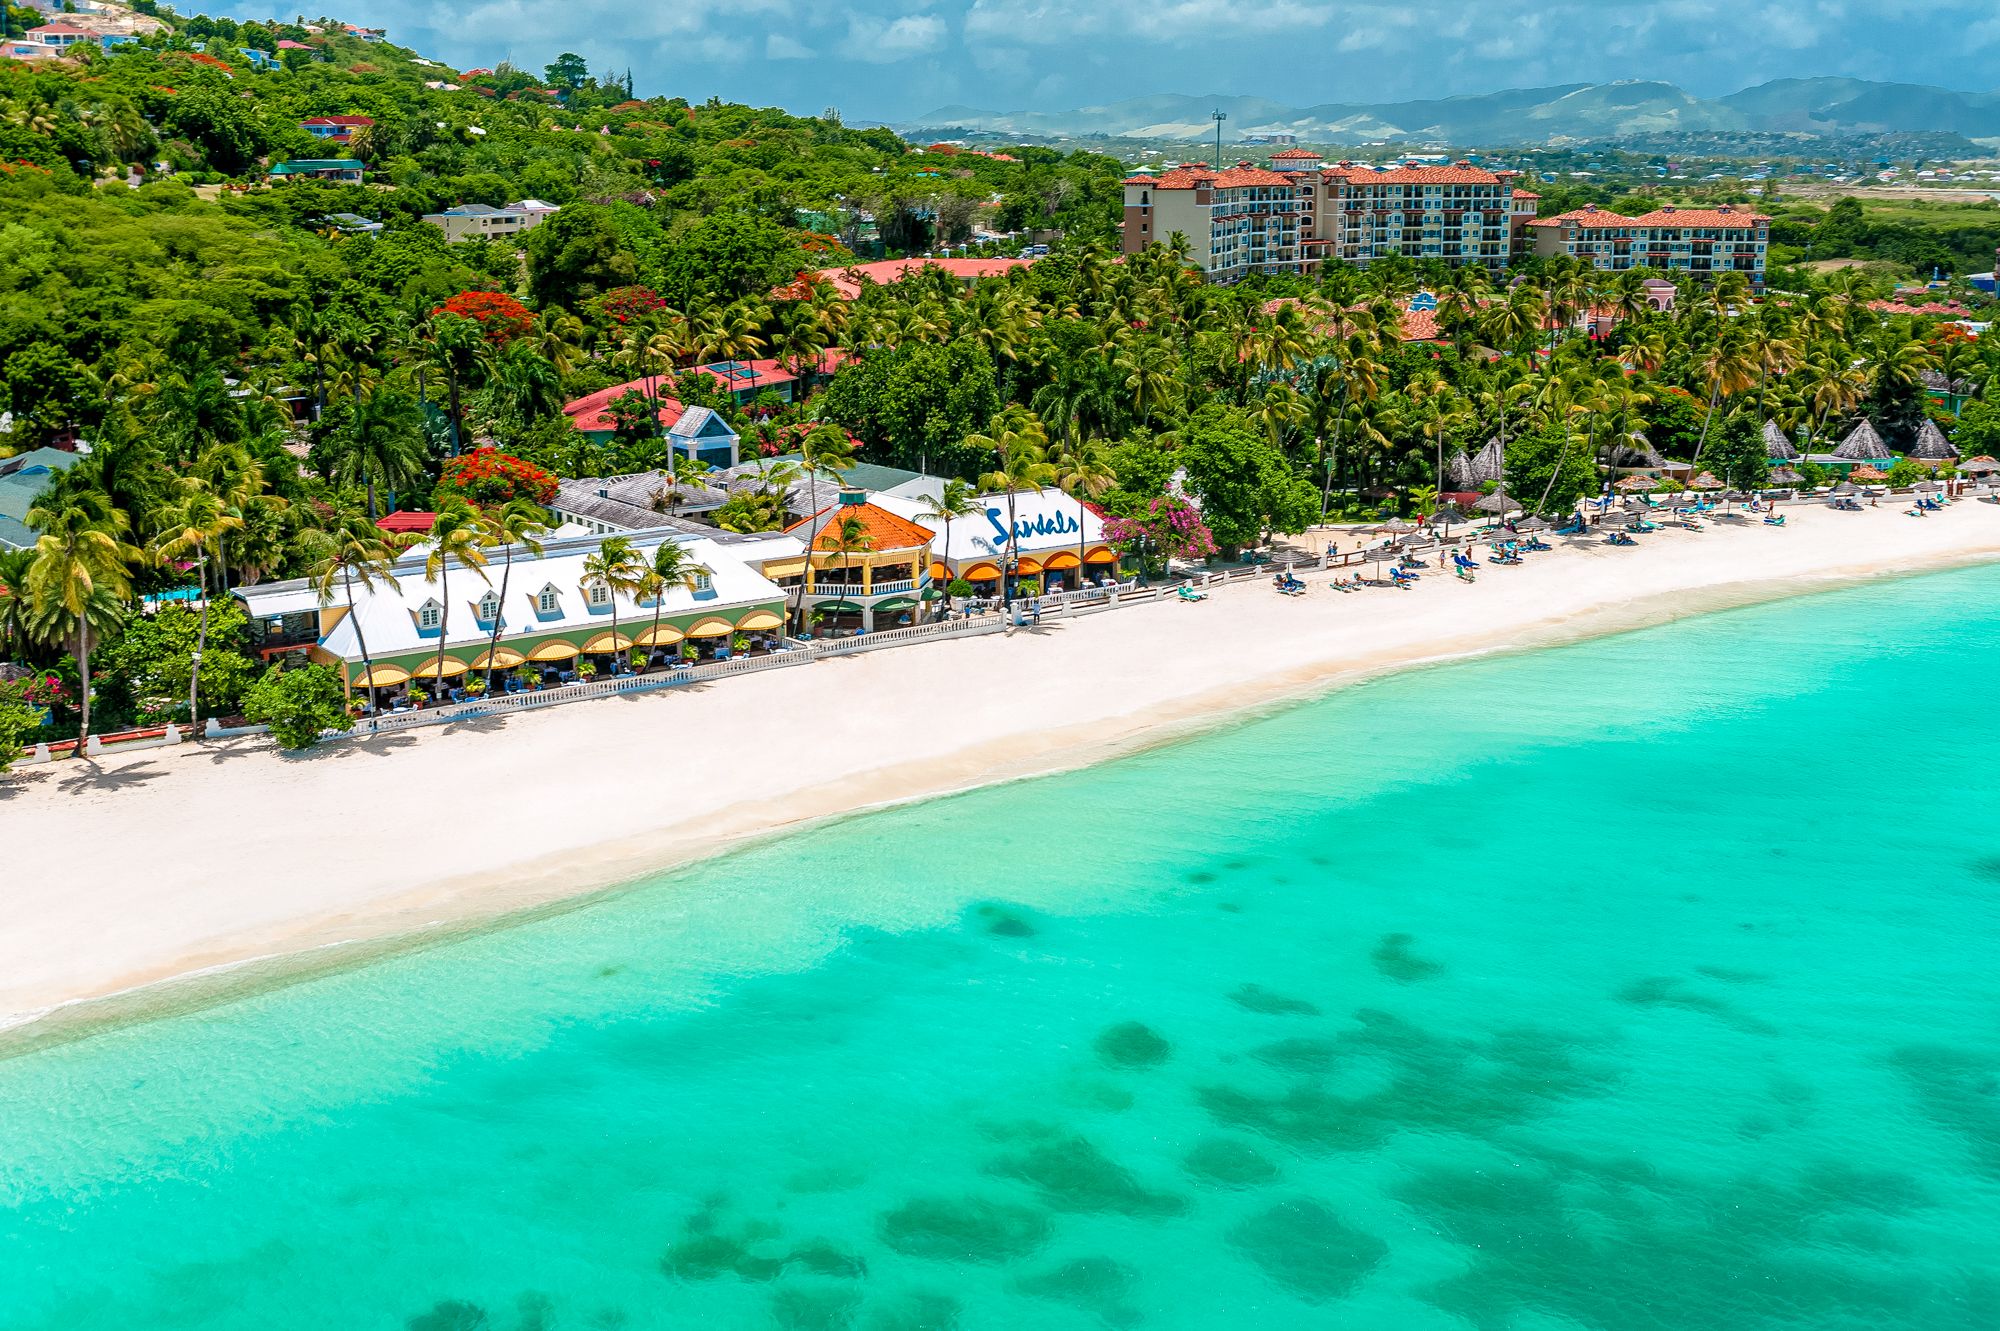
[{"x": 158, "y": 864}]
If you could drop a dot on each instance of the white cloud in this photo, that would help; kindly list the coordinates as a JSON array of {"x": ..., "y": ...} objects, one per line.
[
  {"x": 881, "y": 43},
  {"x": 777, "y": 46}
]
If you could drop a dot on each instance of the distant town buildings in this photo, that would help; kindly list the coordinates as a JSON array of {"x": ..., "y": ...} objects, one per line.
[
  {"x": 335, "y": 129},
  {"x": 479, "y": 221},
  {"x": 338, "y": 171}
]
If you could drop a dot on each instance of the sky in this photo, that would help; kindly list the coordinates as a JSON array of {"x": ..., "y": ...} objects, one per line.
[{"x": 892, "y": 59}]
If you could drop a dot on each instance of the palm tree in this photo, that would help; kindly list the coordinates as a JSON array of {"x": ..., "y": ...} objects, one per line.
[
  {"x": 457, "y": 348},
  {"x": 850, "y": 537},
  {"x": 1022, "y": 448},
  {"x": 454, "y": 534},
  {"x": 80, "y": 578},
  {"x": 518, "y": 522},
  {"x": 1149, "y": 369},
  {"x": 192, "y": 525},
  {"x": 1083, "y": 471},
  {"x": 956, "y": 500},
  {"x": 616, "y": 567},
  {"x": 383, "y": 445},
  {"x": 347, "y": 549},
  {"x": 825, "y": 451},
  {"x": 672, "y": 567}
]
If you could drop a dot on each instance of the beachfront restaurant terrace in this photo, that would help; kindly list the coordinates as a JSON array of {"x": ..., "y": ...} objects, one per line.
[
  {"x": 1056, "y": 540},
  {"x": 551, "y": 620},
  {"x": 866, "y": 567}
]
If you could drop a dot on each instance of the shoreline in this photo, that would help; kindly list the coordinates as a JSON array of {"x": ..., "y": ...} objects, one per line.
[{"x": 241, "y": 944}]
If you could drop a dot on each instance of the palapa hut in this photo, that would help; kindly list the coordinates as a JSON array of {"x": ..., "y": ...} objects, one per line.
[
  {"x": 1776, "y": 446},
  {"x": 1489, "y": 465},
  {"x": 1497, "y": 502},
  {"x": 1705, "y": 481},
  {"x": 1979, "y": 466},
  {"x": 1868, "y": 475},
  {"x": 1932, "y": 446},
  {"x": 1863, "y": 444},
  {"x": 1636, "y": 484},
  {"x": 1458, "y": 472},
  {"x": 1626, "y": 457},
  {"x": 1785, "y": 476}
]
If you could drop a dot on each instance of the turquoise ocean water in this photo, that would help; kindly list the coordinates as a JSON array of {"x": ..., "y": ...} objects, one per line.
[{"x": 1652, "y": 982}]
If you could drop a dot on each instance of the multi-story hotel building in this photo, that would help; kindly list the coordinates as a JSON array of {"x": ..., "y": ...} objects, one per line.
[
  {"x": 1300, "y": 213},
  {"x": 1702, "y": 241}
]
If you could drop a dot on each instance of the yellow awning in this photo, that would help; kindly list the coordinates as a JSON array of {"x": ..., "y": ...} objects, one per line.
[
  {"x": 715, "y": 626},
  {"x": 608, "y": 642},
  {"x": 980, "y": 573},
  {"x": 757, "y": 621},
  {"x": 939, "y": 573},
  {"x": 1101, "y": 555},
  {"x": 504, "y": 659},
  {"x": 1027, "y": 564},
  {"x": 431, "y": 667},
  {"x": 381, "y": 676},
  {"x": 553, "y": 650},
  {"x": 664, "y": 636},
  {"x": 1061, "y": 559},
  {"x": 785, "y": 568}
]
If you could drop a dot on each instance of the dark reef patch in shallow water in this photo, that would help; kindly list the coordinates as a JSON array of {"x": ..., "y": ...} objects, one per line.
[
  {"x": 1986, "y": 866},
  {"x": 814, "y": 1308},
  {"x": 451, "y": 1315},
  {"x": 1097, "y": 1285},
  {"x": 752, "y": 1252},
  {"x": 1256, "y": 998},
  {"x": 1959, "y": 1090},
  {"x": 1225, "y": 1162},
  {"x": 1730, "y": 975},
  {"x": 1072, "y": 1175},
  {"x": 1667, "y": 991},
  {"x": 1422, "y": 1082},
  {"x": 1303, "y": 1246},
  {"x": 1610, "y": 1244},
  {"x": 1005, "y": 921},
  {"x": 920, "y": 1310},
  {"x": 1394, "y": 958},
  {"x": 1132, "y": 1044},
  {"x": 1302, "y": 1056},
  {"x": 964, "y": 1229}
]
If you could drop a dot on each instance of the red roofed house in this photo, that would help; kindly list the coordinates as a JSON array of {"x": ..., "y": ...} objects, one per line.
[
  {"x": 885, "y": 572},
  {"x": 287, "y": 44},
  {"x": 848, "y": 281},
  {"x": 404, "y": 523},
  {"x": 695, "y": 432},
  {"x": 335, "y": 129},
  {"x": 1703, "y": 241},
  {"x": 1301, "y": 212}
]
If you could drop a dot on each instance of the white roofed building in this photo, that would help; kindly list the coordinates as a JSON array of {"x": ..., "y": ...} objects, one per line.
[{"x": 1054, "y": 537}]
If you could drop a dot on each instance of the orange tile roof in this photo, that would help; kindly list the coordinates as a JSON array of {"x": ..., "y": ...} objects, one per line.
[
  {"x": 848, "y": 280},
  {"x": 886, "y": 531},
  {"x": 1296, "y": 155},
  {"x": 1586, "y": 218},
  {"x": 1230, "y": 177},
  {"x": 1526, "y": 194},
  {"x": 1724, "y": 216},
  {"x": 1457, "y": 174}
]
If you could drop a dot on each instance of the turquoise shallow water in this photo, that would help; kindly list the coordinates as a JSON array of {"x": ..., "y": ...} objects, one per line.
[{"x": 1644, "y": 983}]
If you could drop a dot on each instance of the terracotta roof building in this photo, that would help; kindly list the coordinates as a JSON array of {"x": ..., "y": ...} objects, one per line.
[
  {"x": 865, "y": 566},
  {"x": 848, "y": 281},
  {"x": 1702, "y": 241}
]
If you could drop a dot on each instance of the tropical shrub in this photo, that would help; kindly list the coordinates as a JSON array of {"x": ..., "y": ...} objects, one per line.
[
  {"x": 499, "y": 316},
  {"x": 489, "y": 478},
  {"x": 298, "y": 704}
]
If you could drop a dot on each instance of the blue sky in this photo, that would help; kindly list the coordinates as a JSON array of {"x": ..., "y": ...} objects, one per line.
[{"x": 892, "y": 58}]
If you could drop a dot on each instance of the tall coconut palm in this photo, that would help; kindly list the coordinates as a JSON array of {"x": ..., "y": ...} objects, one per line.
[
  {"x": 345, "y": 550},
  {"x": 1021, "y": 446},
  {"x": 825, "y": 451},
  {"x": 456, "y": 347},
  {"x": 956, "y": 500},
  {"x": 193, "y": 525},
  {"x": 847, "y": 536},
  {"x": 616, "y": 567},
  {"x": 1083, "y": 472},
  {"x": 454, "y": 535},
  {"x": 80, "y": 579},
  {"x": 672, "y": 566},
  {"x": 515, "y": 523}
]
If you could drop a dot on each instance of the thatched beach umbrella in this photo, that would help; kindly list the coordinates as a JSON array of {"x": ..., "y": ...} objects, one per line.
[
  {"x": 1845, "y": 488},
  {"x": 1931, "y": 445},
  {"x": 1532, "y": 524},
  {"x": 1395, "y": 526},
  {"x": 1615, "y": 521},
  {"x": 1705, "y": 481},
  {"x": 1776, "y": 446},
  {"x": 1867, "y": 474},
  {"x": 1785, "y": 476},
  {"x": 1979, "y": 466},
  {"x": 1863, "y": 444},
  {"x": 1497, "y": 502},
  {"x": 1636, "y": 484},
  {"x": 1927, "y": 487}
]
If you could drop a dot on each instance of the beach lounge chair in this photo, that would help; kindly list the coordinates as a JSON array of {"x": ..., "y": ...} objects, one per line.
[
  {"x": 1186, "y": 592},
  {"x": 1401, "y": 578},
  {"x": 1465, "y": 574},
  {"x": 1775, "y": 520},
  {"x": 1619, "y": 538}
]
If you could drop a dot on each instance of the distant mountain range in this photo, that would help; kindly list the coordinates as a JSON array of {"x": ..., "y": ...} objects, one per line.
[{"x": 1581, "y": 111}]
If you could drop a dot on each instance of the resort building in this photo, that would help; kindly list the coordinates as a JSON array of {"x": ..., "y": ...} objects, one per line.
[
  {"x": 694, "y": 432},
  {"x": 639, "y": 501},
  {"x": 1300, "y": 213},
  {"x": 550, "y": 620},
  {"x": 866, "y": 566},
  {"x": 479, "y": 221},
  {"x": 22, "y": 480},
  {"x": 339, "y": 171},
  {"x": 335, "y": 129},
  {"x": 1702, "y": 241},
  {"x": 1056, "y": 540}
]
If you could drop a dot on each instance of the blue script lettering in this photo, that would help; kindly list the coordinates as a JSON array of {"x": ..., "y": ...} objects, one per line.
[{"x": 1044, "y": 524}]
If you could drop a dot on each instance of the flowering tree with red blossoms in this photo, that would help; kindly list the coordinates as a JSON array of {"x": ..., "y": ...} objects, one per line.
[
  {"x": 488, "y": 478},
  {"x": 627, "y": 304},
  {"x": 1170, "y": 528},
  {"x": 499, "y": 316}
]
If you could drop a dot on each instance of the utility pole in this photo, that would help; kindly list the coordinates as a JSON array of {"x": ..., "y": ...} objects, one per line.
[{"x": 1218, "y": 117}]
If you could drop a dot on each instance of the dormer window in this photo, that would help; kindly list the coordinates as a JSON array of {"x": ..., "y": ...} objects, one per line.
[
  {"x": 430, "y": 616},
  {"x": 702, "y": 581},
  {"x": 600, "y": 595},
  {"x": 489, "y": 607},
  {"x": 548, "y": 601}
]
